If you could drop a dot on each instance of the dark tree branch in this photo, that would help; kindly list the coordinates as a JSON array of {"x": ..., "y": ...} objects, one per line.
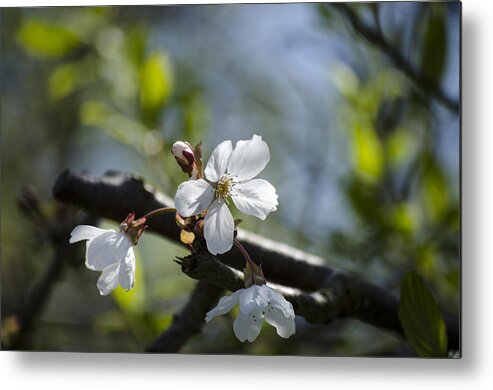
[
  {"x": 39, "y": 297},
  {"x": 57, "y": 233},
  {"x": 377, "y": 39},
  {"x": 316, "y": 307},
  {"x": 189, "y": 320},
  {"x": 114, "y": 195},
  {"x": 322, "y": 293}
]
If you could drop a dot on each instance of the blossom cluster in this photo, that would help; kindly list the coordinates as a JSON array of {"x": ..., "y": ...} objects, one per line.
[
  {"x": 202, "y": 208},
  {"x": 229, "y": 174},
  {"x": 256, "y": 303}
]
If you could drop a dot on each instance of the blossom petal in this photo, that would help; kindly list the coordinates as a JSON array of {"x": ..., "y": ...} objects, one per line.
[
  {"x": 216, "y": 166},
  {"x": 126, "y": 276},
  {"x": 106, "y": 249},
  {"x": 285, "y": 326},
  {"x": 219, "y": 227},
  {"x": 108, "y": 280},
  {"x": 193, "y": 197},
  {"x": 247, "y": 326},
  {"x": 240, "y": 327},
  {"x": 86, "y": 232},
  {"x": 248, "y": 158},
  {"x": 224, "y": 305},
  {"x": 278, "y": 301},
  {"x": 252, "y": 299},
  {"x": 279, "y": 313},
  {"x": 256, "y": 197}
]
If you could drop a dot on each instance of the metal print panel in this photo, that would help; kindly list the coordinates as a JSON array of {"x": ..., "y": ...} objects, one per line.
[{"x": 255, "y": 179}]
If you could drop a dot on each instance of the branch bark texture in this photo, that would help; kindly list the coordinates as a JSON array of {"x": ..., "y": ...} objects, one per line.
[{"x": 318, "y": 292}]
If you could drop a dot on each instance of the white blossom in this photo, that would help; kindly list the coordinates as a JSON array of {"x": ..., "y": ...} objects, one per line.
[
  {"x": 229, "y": 174},
  {"x": 109, "y": 251},
  {"x": 257, "y": 303}
]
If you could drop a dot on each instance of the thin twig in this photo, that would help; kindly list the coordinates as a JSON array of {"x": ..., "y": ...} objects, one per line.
[{"x": 377, "y": 39}]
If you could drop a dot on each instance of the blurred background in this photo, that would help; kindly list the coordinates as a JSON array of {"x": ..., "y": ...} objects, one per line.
[{"x": 359, "y": 104}]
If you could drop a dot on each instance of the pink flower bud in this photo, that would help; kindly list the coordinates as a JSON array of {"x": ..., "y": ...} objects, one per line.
[
  {"x": 133, "y": 228},
  {"x": 183, "y": 153}
]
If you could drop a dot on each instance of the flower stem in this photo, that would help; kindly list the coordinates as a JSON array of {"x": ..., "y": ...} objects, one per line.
[
  {"x": 243, "y": 251},
  {"x": 252, "y": 273},
  {"x": 160, "y": 211}
]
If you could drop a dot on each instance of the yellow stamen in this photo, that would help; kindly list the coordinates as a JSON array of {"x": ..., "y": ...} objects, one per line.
[{"x": 223, "y": 188}]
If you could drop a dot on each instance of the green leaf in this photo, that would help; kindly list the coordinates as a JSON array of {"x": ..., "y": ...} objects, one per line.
[
  {"x": 404, "y": 218},
  {"x": 116, "y": 125},
  {"x": 156, "y": 82},
  {"x": 435, "y": 192},
  {"x": 45, "y": 40},
  {"x": 367, "y": 153},
  {"x": 135, "y": 46},
  {"x": 435, "y": 44},
  {"x": 70, "y": 77},
  {"x": 62, "y": 81},
  {"x": 400, "y": 145},
  {"x": 365, "y": 202},
  {"x": 345, "y": 79},
  {"x": 420, "y": 317}
]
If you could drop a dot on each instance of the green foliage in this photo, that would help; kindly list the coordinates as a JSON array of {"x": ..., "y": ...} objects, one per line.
[
  {"x": 398, "y": 189},
  {"x": 47, "y": 40},
  {"x": 156, "y": 83},
  {"x": 364, "y": 201},
  {"x": 115, "y": 124},
  {"x": 367, "y": 153},
  {"x": 434, "y": 50},
  {"x": 400, "y": 146},
  {"x": 135, "y": 47},
  {"x": 62, "y": 81},
  {"x": 435, "y": 192},
  {"x": 68, "y": 78},
  {"x": 404, "y": 218},
  {"x": 420, "y": 317}
]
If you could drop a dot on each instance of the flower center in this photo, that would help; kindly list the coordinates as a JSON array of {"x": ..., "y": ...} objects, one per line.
[{"x": 224, "y": 186}]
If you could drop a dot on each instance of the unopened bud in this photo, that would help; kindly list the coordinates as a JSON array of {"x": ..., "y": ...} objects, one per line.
[
  {"x": 133, "y": 228},
  {"x": 180, "y": 221},
  {"x": 199, "y": 228},
  {"x": 184, "y": 156}
]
